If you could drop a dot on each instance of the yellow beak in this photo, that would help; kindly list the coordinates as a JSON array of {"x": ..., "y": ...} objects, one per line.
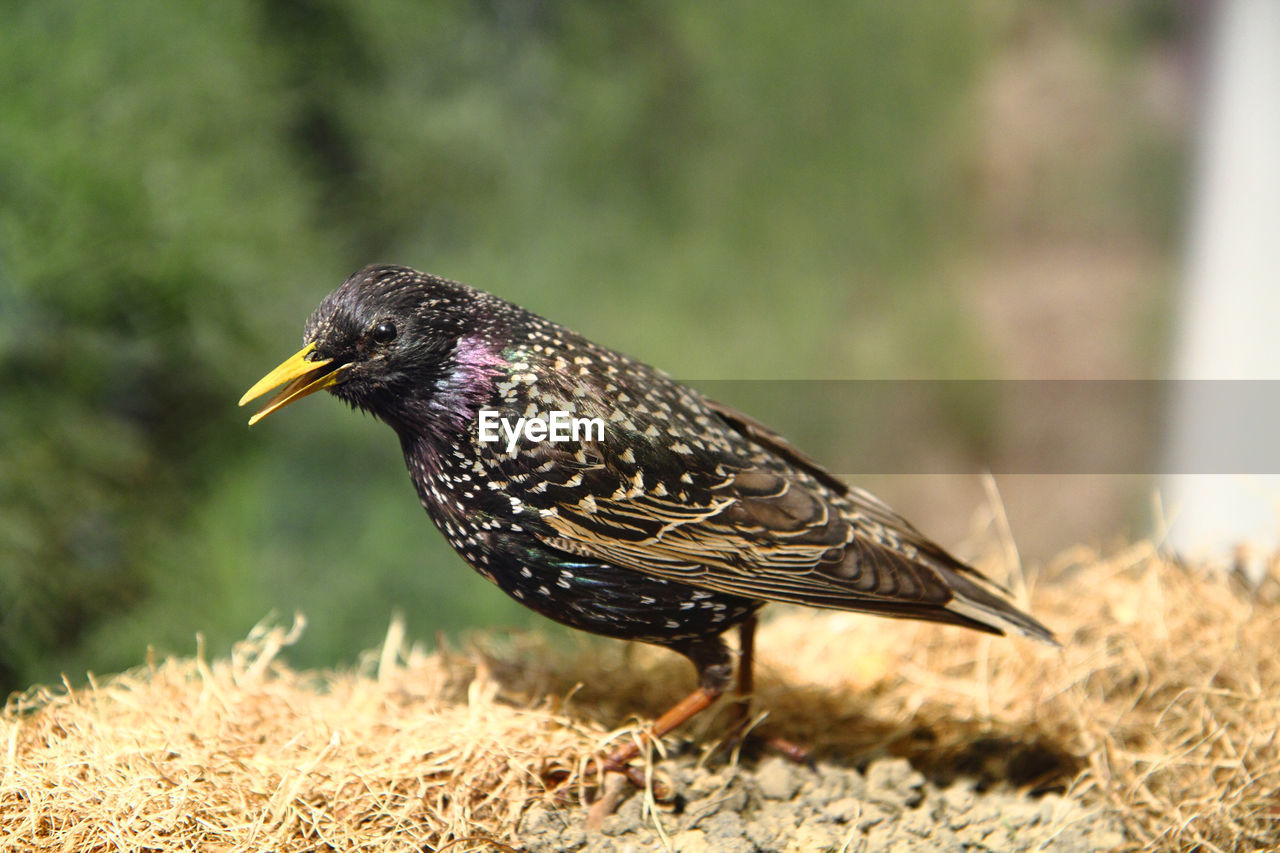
[{"x": 302, "y": 376}]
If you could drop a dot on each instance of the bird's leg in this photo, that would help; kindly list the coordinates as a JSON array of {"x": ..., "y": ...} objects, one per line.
[
  {"x": 746, "y": 671},
  {"x": 711, "y": 657},
  {"x": 683, "y": 711},
  {"x": 742, "y": 707},
  {"x": 618, "y": 761}
]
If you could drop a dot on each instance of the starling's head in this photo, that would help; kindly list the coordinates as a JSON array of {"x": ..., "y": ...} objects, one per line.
[{"x": 401, "y": 344}]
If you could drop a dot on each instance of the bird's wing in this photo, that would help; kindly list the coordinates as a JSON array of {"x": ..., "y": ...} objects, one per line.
[{"x": 766, "y": 522}]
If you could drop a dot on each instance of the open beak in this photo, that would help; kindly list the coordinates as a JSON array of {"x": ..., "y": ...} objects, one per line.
[{"x": 299, "y": 376}]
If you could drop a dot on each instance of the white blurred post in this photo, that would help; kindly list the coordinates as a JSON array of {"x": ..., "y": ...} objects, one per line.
[{"x": 1229, "y": 325}]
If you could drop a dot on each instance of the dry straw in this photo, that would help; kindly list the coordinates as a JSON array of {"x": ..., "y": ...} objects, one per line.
[{"x": 1163, "y": 706}]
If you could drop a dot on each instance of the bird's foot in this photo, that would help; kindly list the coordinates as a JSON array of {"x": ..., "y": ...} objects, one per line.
[
  {"x": 603, "y": 780},
  {"x": 612, "y": 793},
  {"x": 793, "y": 752},
  {"x": 742, "y": 729},
  {"x": 619, "y": 761},
  {"x": 619, "y": 764}
]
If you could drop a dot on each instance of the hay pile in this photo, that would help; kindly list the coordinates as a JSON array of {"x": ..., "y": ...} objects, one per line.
[{"x": 1163, "y": 707}]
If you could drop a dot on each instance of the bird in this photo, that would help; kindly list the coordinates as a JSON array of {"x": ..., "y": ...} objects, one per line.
[{"x": 673, "y": 523}]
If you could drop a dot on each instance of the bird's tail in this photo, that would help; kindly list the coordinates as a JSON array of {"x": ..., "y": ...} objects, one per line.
[{"x": 973, "y": 600}]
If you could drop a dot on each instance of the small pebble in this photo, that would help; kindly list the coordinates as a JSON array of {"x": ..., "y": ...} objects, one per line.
[
  {"x": 895, "y": 783},
  {"x": 816, "y": 836},
  {"x": 842, "y": 810},
  {"x": 1049, "y": 804},
  {"x": 723, "y": 826},
  {"x": 691, "y": 841},
  {"x": 958, "y": 797},
  {"x": 764, "y": 835},
  {"x": 893, "y": 774},
  {"x": 917, "y": 823},
  {"x": 946, "y": 841},
  {"x": 777, "y": 779},
  {"x": 871, "y": 815}
]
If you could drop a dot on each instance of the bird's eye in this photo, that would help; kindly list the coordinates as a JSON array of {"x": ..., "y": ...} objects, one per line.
[{"x": 384, "y": 332}]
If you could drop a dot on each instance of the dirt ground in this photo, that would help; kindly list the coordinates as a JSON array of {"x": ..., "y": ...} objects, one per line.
[{"x": 1154, "y": 727}]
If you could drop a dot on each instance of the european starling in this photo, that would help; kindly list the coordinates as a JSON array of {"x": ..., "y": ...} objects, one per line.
[{"x": 672, "y": 520}]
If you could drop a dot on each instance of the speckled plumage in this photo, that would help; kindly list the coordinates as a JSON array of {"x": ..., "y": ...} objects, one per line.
[{"x": 680, "y": 524}]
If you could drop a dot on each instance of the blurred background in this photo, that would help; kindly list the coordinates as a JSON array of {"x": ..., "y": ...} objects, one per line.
[{"x": 992, "y": 190}]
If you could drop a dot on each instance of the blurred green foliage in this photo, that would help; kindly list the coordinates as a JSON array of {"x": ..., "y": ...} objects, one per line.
[{"x": 756, "y": 192}]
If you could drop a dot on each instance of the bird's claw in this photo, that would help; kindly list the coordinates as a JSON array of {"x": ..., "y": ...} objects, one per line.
[{"x": 560, "y": 781}]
